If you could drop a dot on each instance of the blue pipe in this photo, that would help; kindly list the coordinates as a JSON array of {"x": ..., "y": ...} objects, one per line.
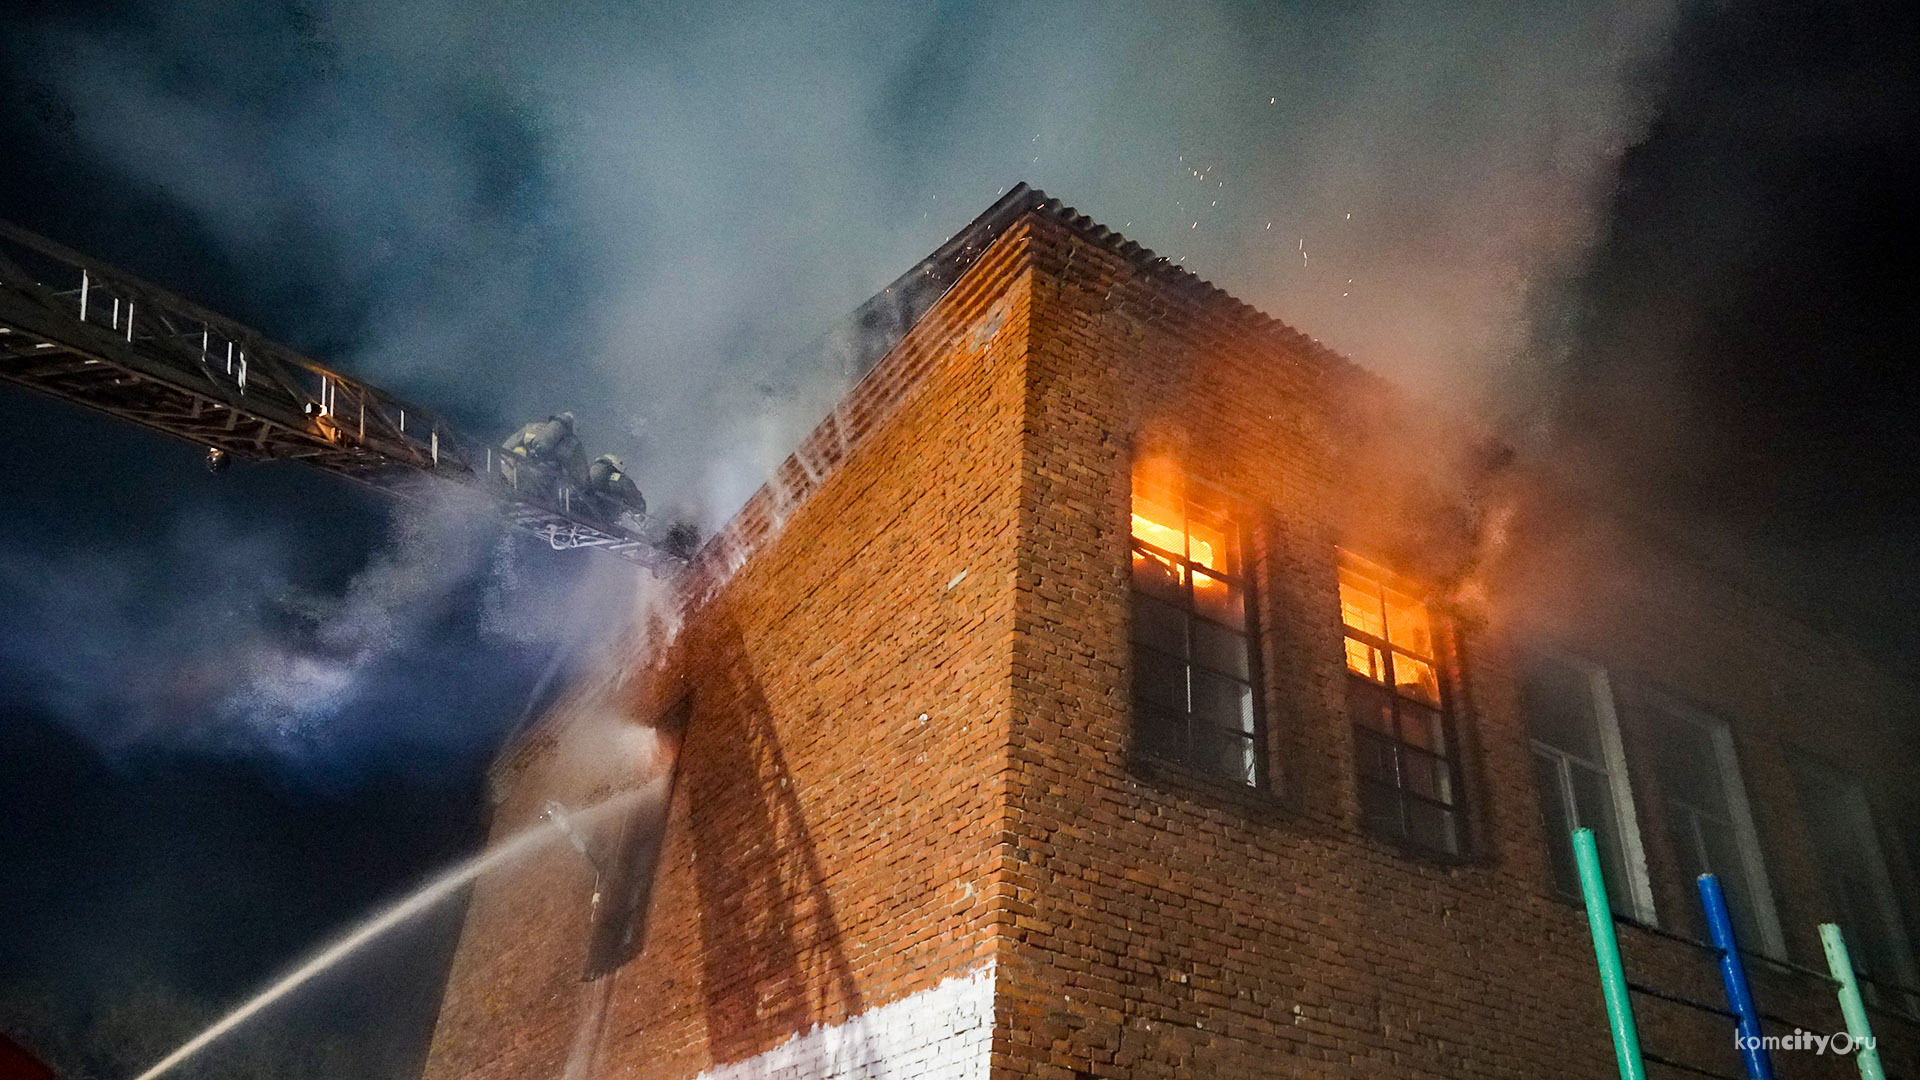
[{"x": 1733, "y": 975}]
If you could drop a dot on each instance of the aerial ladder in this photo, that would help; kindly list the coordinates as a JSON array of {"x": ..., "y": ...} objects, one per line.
[{"x": 80, "y": 330}]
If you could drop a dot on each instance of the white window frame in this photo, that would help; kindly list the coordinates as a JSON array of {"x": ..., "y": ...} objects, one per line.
[
  {"x": 1732, "y": 781},
  {"x": 1639, "y": 882},
  {"x": 1885, "y": 896}
]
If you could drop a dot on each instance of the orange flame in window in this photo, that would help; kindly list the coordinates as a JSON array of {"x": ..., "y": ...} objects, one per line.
[{"x": 1167, "y": 529}]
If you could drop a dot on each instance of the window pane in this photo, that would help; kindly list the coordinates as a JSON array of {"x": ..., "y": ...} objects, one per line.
[
  {"x": 1360, "y": 605},
  {"x": 1725, "y": 859},
  {"x": 1422, "y": 727},
  {"x": 1688, "y": 846},
  {"x": 1407, "y": 782},
  {"x": 1364, "y": 659},
  {"x": 1432, "y": 827},
  {"x": 1224, "y": 753},
  {"x": 1161, "y": 733},
  {"x": 1214, "y": 599},
  {"x": 1690, "y": 766},
  {"x": 1705, "y": 846},
  {"x": 1407, "y": 624},
  {"x": 1216, "y": 647},
  {"x": 1369, "y": 706},
  {"x": 1160, "y": 625},
  {"x": 1380, "y": 810},
  {"x": 1427, "y": 776},
  {"x": 1192, "y": 654},
  {"x": 1593, "y": 802},
  {"x": 1840, "y": 823},
  {"x": 1223, "y": 702},
  {"x": 1416, "y": 679},
  {"x": 1553, "y": 819},
  {"x": 1378, "y": 758},
  {"x": 1558, "y": 700},
  {"x": 1210, "y": 544},
  {"x": 1155, "y": 576},
  {"x": 1158, "y": 521},
  {"x": 1159, "y": 680}
]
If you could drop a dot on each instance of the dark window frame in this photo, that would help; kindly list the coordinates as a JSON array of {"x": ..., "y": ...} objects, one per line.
[
  {"x": 1231, "y": 516},
  {"x": 1397, "y": 745}
]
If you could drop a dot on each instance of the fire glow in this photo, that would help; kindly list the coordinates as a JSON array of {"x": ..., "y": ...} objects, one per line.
[
  {"x": 1384, "y": 622},
  {"x": 1160, "y": 523}
]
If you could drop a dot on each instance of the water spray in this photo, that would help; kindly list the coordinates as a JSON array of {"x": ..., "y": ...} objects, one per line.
[
  {"x": 555, "y": 813},
  {"x": 427, "y": 896}
]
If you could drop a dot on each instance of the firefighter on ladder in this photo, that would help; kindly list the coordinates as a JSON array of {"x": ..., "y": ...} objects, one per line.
[
  {"x": 545, "y": 458},
  {"x": 613, "y": 493}
]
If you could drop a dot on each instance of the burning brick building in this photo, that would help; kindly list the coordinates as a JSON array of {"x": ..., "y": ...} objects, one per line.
[{"x": 1118, "y": 684}]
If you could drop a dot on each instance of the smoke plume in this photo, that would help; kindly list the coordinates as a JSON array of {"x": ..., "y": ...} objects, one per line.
[{"x": 642, "y": 214}]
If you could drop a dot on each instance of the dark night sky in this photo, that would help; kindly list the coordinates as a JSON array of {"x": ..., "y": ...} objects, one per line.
[
  {"x": 203, "y": 774},
  {"x": 1759, "y": 274}
]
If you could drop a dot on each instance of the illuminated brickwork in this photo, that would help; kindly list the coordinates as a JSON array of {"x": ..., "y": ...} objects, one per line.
[{"x": 912, "y": 759}]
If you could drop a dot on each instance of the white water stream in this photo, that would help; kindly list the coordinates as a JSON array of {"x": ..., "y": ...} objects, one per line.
[{"x": 520, "y": 844}]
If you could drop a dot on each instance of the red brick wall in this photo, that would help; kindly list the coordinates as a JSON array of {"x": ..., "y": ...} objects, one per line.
[
  {"x": 829, "y": 851},
  {"x": 1184, "y": 928},
  {"x": 837, "y": 813}
]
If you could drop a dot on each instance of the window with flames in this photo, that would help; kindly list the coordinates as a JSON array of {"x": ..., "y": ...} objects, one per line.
[
  {"x": 1409, "y": 788},
  {"x": 1193, "y": 657}
]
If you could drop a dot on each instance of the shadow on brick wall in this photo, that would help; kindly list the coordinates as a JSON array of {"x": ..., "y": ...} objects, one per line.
[{"x": 772, "y": 955}]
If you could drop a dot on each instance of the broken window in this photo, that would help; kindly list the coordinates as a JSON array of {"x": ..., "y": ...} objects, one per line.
[
  {"x": 1193, "y": 678},
  {"x": 1409, "y": 785},
  {"x": 1582, "y": 775}
]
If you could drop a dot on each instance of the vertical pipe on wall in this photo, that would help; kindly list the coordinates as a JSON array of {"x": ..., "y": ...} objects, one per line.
[
  {"x": 1733, "y": 977},
  {"x": 1865, "y": 1053},
  {"x": 1606, "y": 952}
]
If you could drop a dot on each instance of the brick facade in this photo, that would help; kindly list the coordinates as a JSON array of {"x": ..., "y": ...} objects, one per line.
[{"x": 909, "y": 785}]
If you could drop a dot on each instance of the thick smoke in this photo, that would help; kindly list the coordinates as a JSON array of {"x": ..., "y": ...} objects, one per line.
[
  {"x": 244, "y": 657},
  {"x": 645, "y": 214},
  {"x": 640, "y": 213}
]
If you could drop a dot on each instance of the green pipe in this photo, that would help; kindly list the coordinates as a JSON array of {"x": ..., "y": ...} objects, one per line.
[
  {"x": 1606, "y": 950},
  {"x": 1851, "y": 1007}
]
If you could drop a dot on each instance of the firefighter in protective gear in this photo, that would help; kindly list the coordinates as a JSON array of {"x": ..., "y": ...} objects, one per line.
[
  {"x": 607, "y": 478},
  {"x": 613, "y": 492},
  {"x": 546, "y": 456}
]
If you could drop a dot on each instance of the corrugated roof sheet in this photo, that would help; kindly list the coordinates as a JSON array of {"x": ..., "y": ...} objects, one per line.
[{"x": 879, "y": 324}]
